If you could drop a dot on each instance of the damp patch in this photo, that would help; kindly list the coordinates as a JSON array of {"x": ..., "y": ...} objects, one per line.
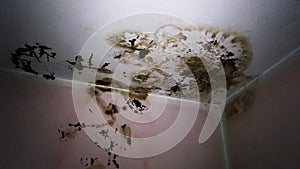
[
  {"x": 240, "y": 104},
  {"x": 170, "y": 61}
]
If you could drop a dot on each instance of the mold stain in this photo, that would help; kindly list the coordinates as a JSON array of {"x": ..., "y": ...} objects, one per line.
[
  {"x": 72, "y": 129},
  {"x": 173, "y": 56},
  {"x": 103, "y": 69},
  {"x": 111, "y": 110},
  {"x": 104, "y": 133},
  {"x": 80, "y": 64},
  {"x": 67, "y": 133},
  {"x": 113, "y": 160},
  {"x": 136, "y": 106},
  {"x": 240, "y": 103},
  {"x": 198, "y": 71},
  {"x": 49, "y": 76},
  {"x": 77, "y": 63},
  {"x": 34, "y": 59},
  {"x": 92, "y": 163},
  {"x": 88, "y": 161},
  {"x": 138, "y": 92},
  {"x": 126, "y": 131},
  {"x": 107, "y": 84}
]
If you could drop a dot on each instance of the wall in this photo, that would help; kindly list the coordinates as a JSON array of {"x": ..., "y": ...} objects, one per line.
[
  {"x": 33, "y": 112},
  {"x": 267, "y": 135}
]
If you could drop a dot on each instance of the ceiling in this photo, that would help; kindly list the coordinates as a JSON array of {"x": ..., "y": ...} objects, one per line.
[{"x": 272, "y": 26}]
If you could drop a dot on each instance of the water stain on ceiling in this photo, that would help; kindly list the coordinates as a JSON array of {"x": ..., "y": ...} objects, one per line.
[{"x": 170, "y": 61}]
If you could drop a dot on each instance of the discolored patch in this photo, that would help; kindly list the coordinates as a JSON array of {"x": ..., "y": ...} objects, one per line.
[
  {"x": 138, "y": 92},
  {"x": 70, "y": 131},
  {"x": 198, "y": 71},
  {"x": 111, "y": 109},
  {"x": 173, "y": 55},
  {"x": 104, "y": 69},
  {"x": 103, "y": 85},
  {"x": 240, "y": 103}
]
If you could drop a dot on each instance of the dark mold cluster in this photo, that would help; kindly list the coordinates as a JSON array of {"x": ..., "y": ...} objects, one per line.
[{"x": 33, "y": 59}]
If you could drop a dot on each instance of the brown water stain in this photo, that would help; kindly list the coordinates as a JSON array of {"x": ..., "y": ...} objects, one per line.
[
  {"x": 240, "y": 104},
  {"x": 231, "y": 48}
]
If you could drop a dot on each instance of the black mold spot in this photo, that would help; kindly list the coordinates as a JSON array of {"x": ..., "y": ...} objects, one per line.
[
  {"x": 104, "y": 84},
  {"x": 132, "y": 41},
  {"x": 230, "y": 54},
  {"x": 136, "y": 105},
  {"x": 123, "y": 126},
  {"x": 49, "y": 76},
  {"x": 103, "y": 69},
  {"x": 118, "y": 56},
  {"x": 77, "y": 63},
  {"x": 105, "y": 65},
  {"x": 215, "y": 42},
  {"x": 88, "y": 161},
  {"x": 114, "y": 160},
  {"x": 25, "y": 57},
  {"x": 175, "y": 88}
]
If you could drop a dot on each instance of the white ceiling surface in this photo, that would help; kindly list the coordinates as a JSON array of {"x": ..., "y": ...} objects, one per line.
[{"x": 273, "y": 26}]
